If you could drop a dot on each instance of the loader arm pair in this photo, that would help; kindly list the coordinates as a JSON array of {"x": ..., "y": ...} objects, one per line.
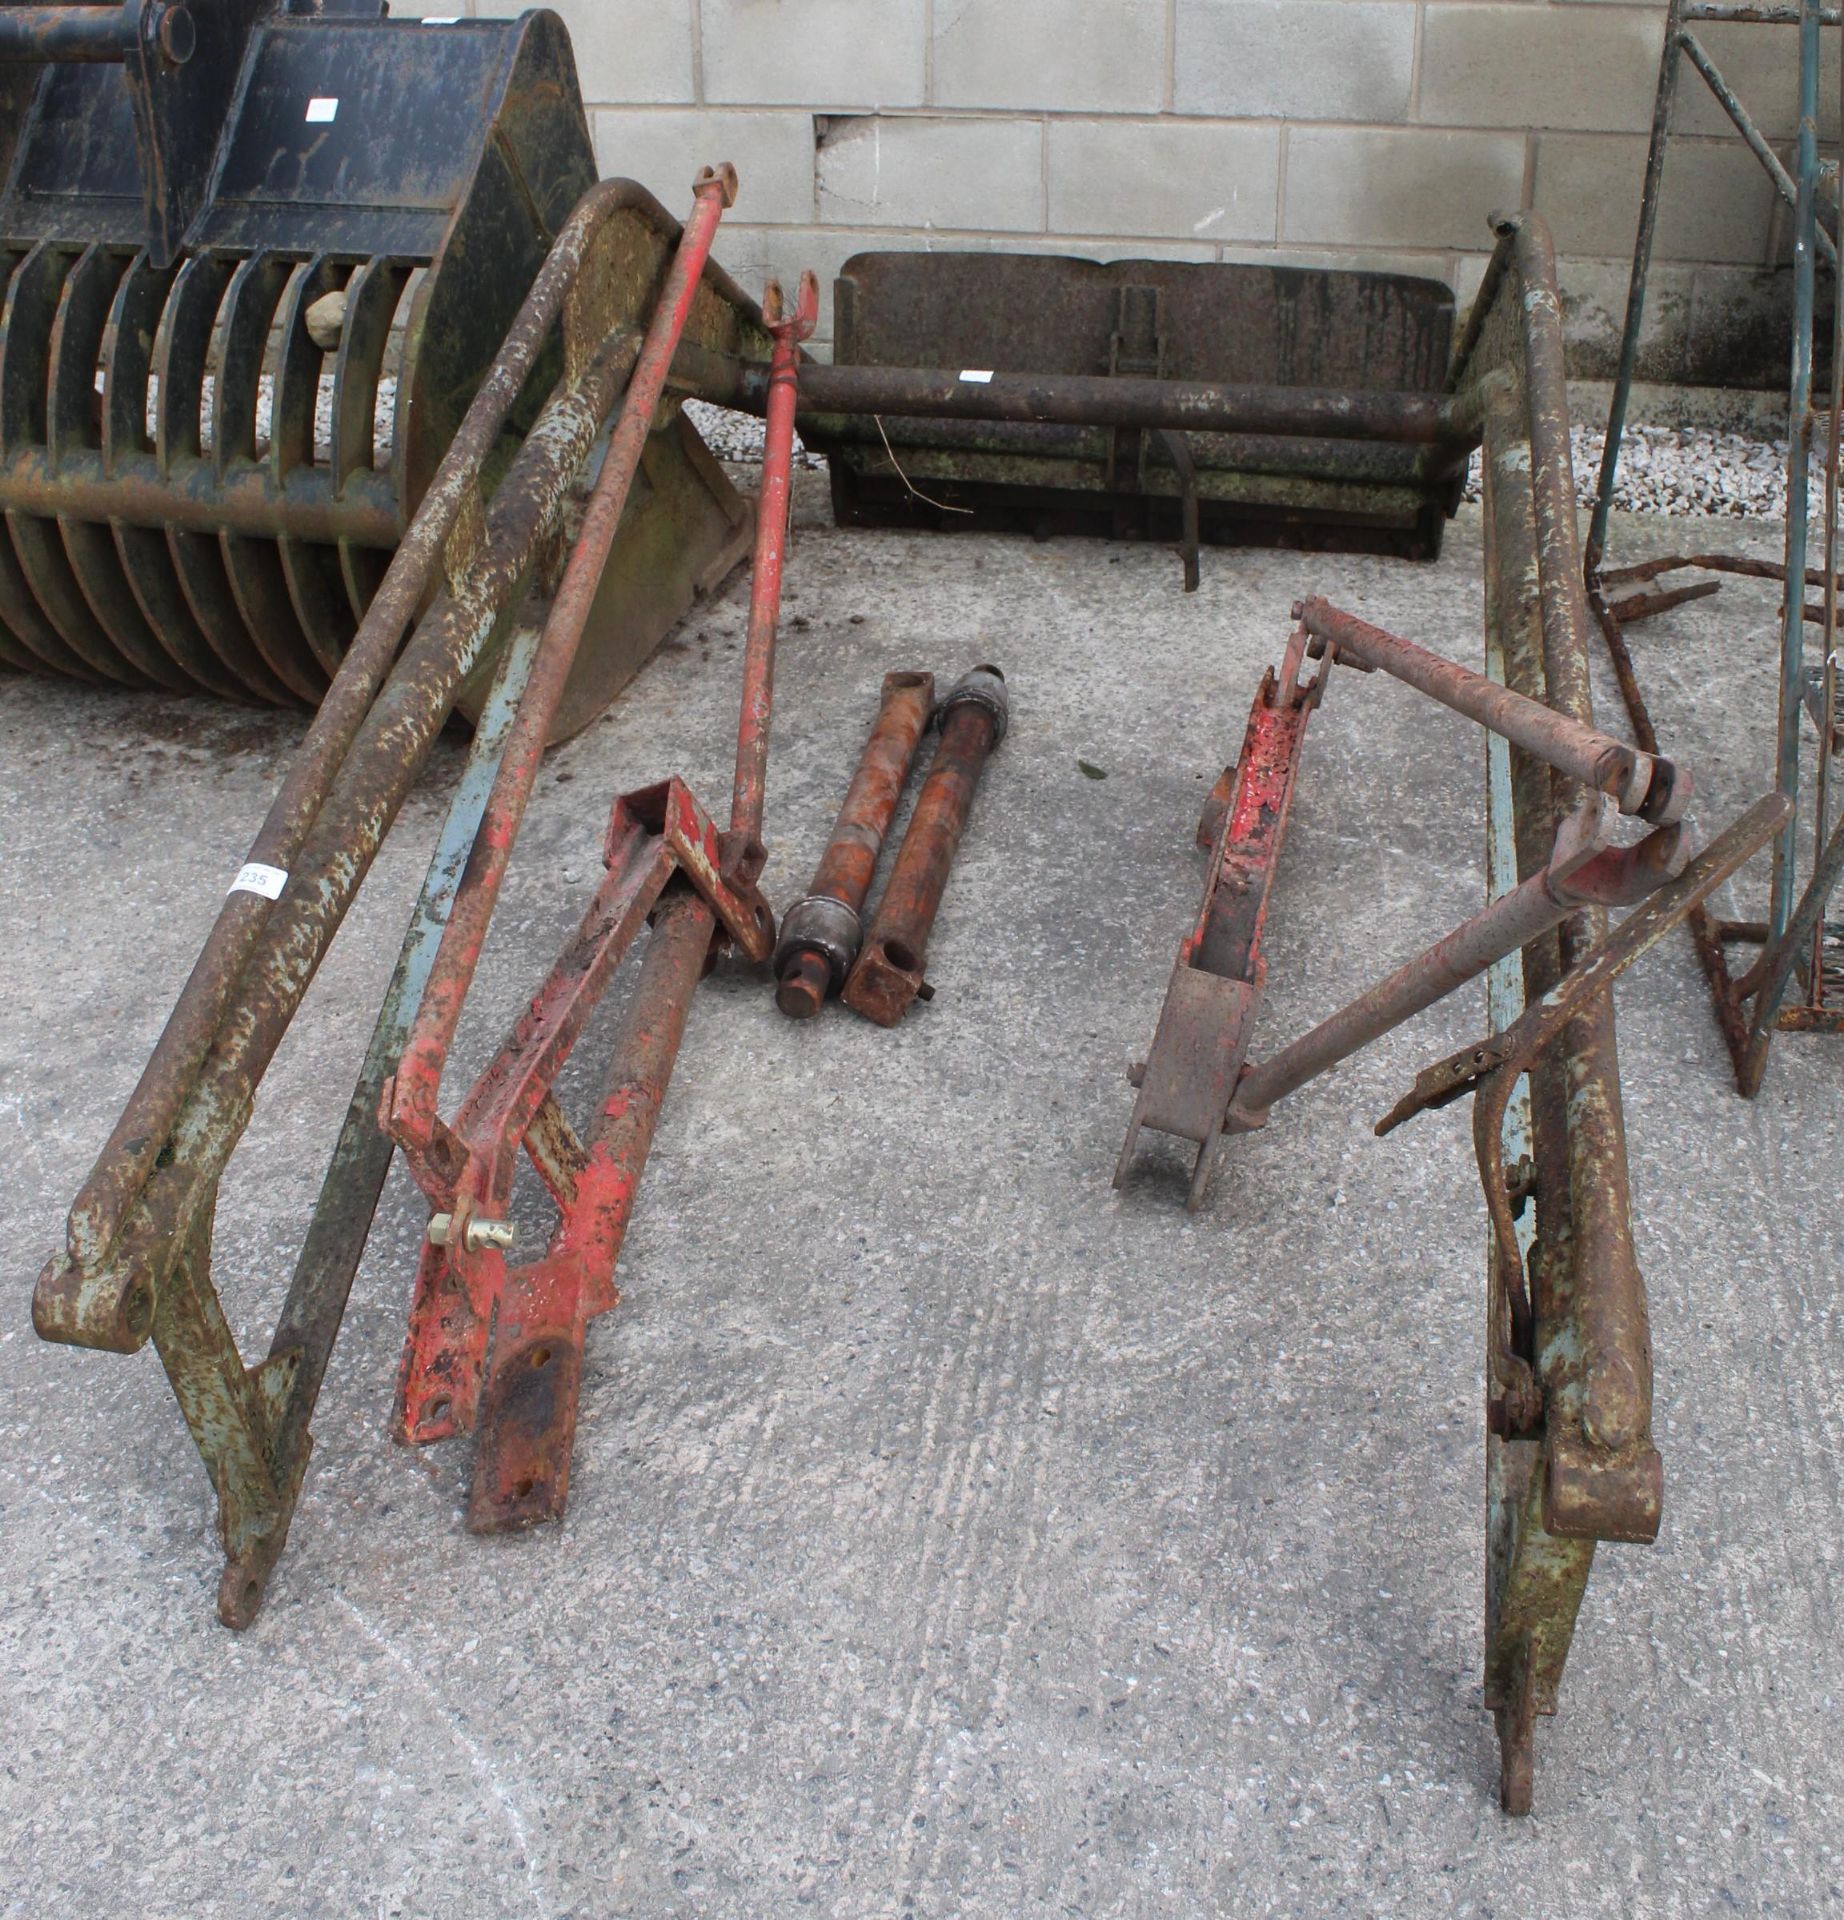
[{"x": 1569, "y": 1451}]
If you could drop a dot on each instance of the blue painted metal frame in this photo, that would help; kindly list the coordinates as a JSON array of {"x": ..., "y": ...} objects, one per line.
[{"x": 1751, "y": 1006}]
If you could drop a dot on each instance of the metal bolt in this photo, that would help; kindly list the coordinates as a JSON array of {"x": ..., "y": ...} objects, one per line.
[{"x": 476, "y": 1235}]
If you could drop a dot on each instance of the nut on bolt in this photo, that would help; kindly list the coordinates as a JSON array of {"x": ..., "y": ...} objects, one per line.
[{"x": 473, "y": 1236}]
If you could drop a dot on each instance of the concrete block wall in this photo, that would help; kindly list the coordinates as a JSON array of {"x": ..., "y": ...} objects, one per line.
[{"x": 1320, "y": 132}]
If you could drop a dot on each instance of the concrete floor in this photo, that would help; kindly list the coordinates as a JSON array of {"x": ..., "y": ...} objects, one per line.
[{"x": 950, "y": 1535}]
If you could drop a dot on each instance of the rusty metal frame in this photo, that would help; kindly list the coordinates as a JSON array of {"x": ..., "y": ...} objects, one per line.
[
  {"x": 1785, "y": 988},
  {"x": 137, "y": 1260},
  {"x": 1570, "y": 1458},
  {"x": 1195, "y": 1082}
]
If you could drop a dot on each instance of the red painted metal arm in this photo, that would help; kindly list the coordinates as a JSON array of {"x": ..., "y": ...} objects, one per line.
[
  {"x": 412, "y": 1116},
  {"x": 771, "y": 546},
  {"x": 506, "y": 1098},
  {"x": 499, "y": 1348}
]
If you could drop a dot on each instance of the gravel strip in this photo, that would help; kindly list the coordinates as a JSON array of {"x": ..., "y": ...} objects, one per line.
[
  {"x": 1667, "y": 470},
  {"x": 1679, "y": 471},
  {"x": 738, "y": 436}
]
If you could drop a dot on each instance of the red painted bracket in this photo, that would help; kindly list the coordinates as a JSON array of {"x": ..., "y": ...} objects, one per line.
[
  {"x": 1186, "y": 1082},
  {"x": 470, "y": 1300}
]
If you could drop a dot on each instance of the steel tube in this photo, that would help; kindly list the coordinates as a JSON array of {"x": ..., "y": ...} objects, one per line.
[
  {"x": 1739, "y": 563},
  {"x": 1601, "y": 762},
  {"x": 1502, "y": 928},
  {"x": 1756, "y": 16},
  {"x": 197, "y": 496},
  {"x": 749, "y": 789},
  {"x": 1552, "y": 488},
  {"x": 1636, "y": 285},
  {"x": 641, "y": 1067},
  {"x": 1756, "y": 141},
  {"x": 1602, "y": 1476},
  {"x": 890, "y": 972},
  {"x": 1827, "y": 714},
  {"x": 818, "y": 944},
  {"x": 1091, "y": 400},
  {"x": 527, "y": 1437},
  {"x": 99, "y": 35},
  {"x": 1798, "y": 435},
  {"x": 1323, "y": 456}
]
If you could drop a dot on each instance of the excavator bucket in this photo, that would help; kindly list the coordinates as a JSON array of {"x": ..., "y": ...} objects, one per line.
[{"x": 257, "y": 258}]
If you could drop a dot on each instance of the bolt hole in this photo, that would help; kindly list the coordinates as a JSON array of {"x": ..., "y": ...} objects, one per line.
[
  {"x": 540, "y": 1356},
  {"x": 900, "y": 955},
  {"x": 438, "y": 1408},
  {"x": 525, "y": 1488}
]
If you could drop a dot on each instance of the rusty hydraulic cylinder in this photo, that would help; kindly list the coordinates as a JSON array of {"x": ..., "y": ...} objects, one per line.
[
  {"x": 822, "y": 932},
  {"x": 890, "y": 972}
]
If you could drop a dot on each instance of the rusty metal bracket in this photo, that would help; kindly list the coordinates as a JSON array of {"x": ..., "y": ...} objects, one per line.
[
  {"x": 464, "y": 1282},
  {"x": 1189, "y": 1078},
  {"x": 1195, "y": 1082}
]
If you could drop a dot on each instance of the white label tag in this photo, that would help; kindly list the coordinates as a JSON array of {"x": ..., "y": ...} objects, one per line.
[
  {"x": 256, "y": 878},
  {"x": 979, "y": 375},
  {"x": 441, "y": 19},
  {"x": 320, "y": 109}
]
